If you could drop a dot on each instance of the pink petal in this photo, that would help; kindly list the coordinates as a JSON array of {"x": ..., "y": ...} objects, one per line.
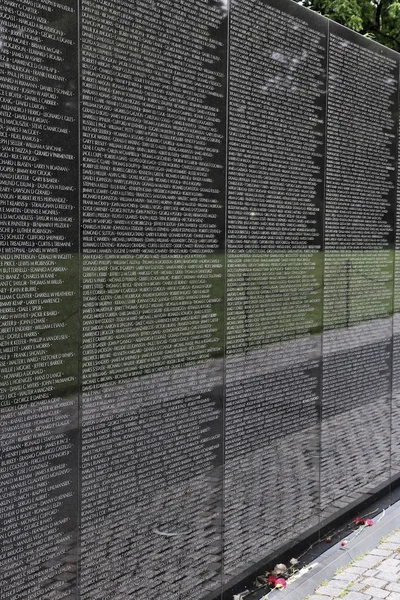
[{"x": 358, "y": 520}]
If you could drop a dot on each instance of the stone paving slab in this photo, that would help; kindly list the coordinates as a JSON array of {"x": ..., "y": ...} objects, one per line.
[
  {"x": 367, "y": 568},
  {"x": 359, "y": 582}
]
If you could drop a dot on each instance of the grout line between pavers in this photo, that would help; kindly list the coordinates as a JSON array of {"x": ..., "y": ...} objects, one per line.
[{"x": 339, "y": 558}]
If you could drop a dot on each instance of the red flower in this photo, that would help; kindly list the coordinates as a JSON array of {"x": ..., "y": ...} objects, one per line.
[
  {"x": 328, "y": 540},
  {"x": 344, "y": 543},
  {"x": 272, "y": 579},
  {"x": 368, "y": 522},
  {"x": 280, "y": 583},
  {"x": 359, "y": 520}
]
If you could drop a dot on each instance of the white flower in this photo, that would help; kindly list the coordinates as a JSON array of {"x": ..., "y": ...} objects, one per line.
[
  {"x": 281, "y": 568},
  {"x": 294, "y": 561}
]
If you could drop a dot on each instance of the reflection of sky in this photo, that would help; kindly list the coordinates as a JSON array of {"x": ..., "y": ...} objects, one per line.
[
  {"x": 225, "y": 5},
  {"x": 289, "y": 65}
]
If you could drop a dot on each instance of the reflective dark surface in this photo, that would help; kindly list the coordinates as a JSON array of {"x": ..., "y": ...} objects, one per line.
[
  {"x": 39, "y": 331},
  {"x": 359, "y": 268},
  {"x": 199, "y": 286},
  {"x": 274, "y": 279},
  {"x": 153, "y": 293}
]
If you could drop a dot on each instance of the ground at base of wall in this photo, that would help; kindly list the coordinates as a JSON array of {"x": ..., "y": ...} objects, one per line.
[{"x": 371, "y": 576}]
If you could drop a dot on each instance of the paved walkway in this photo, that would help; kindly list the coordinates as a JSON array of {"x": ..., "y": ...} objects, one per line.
[{"x": 373, "y": 575}]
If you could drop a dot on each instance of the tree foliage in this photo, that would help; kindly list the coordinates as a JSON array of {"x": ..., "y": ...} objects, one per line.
[{"x": 377, "y": 19}]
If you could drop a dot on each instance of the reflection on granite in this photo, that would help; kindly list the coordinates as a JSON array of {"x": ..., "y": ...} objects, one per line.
[
  {"x": 200, "y": 360},
  {"x": 144, "y": 520}
]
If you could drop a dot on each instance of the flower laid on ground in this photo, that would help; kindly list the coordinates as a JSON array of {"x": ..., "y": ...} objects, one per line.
[
  {"x": 278, "y": 578},
  {"x": 280, "y": 583},
  {"x": 344, "y": 542},
  {"x": 328, "y": 539},
  {"x": 279, "y": 569},
  {"x": 361, "y": 521},
  {"x": 293, "y": 568}
]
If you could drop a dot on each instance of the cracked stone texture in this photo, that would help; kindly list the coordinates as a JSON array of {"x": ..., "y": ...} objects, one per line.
[{"x": 375, "y": 575}]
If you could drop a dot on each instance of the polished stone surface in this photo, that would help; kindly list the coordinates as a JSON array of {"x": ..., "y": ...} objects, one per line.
[{"x": 197, "y": 251}]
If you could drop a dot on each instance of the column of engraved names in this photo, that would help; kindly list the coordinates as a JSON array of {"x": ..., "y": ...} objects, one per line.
[
  {"x": 358, "y": 263},
  {"x": 273, "y": 278},
  {"x": 38, "y": 367},
  {"x": 152, "y": 295},
  {"x": 395, "y": 408},
  {"x": 360, "y": 183}
]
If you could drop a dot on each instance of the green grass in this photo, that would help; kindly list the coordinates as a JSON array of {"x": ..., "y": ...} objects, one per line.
[
  {"x": 384, "y": 539},
  {"x": 350, "y": 564},
  {"x": 346, "y": 590}
]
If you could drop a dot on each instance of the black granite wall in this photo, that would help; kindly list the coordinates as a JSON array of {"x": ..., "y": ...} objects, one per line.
[{"x": 198, "y": 286}]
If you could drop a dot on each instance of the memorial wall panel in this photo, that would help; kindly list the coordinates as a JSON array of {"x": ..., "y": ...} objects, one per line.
[
  {"x": 39, "y": 299},
  {"x": 395, "y": 383},
  {"x": 358, "y": 268},
  {"x": 153, "y": 234},
  {"x": 198, "y": 287},
  {"x": 274, "y": 278}
]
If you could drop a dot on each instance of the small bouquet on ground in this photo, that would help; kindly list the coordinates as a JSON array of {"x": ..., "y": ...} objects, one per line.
[{"x": 277, "y": 579}]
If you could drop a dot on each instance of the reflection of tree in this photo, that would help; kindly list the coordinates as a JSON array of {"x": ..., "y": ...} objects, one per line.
[{"x": 377, "y": 19}]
